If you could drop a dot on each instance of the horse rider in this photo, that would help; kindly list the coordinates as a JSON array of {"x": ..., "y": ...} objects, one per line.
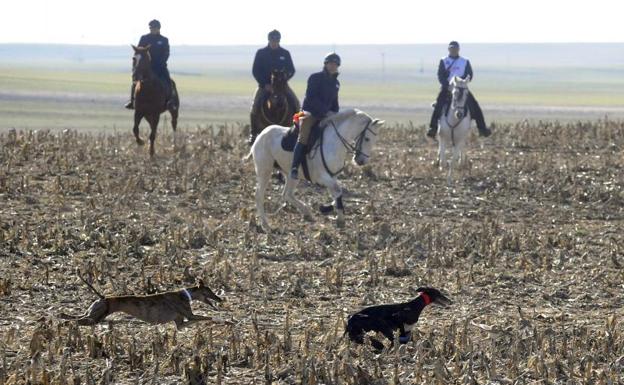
[
  {"x": 449, "y": 67},
  {"x": 321, "y": 98},
  {"x": 270, "y": 58},
  {"x": 159, "y": 52}
]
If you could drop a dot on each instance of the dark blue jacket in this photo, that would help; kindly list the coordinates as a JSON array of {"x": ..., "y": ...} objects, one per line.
[
  {"x": 267, "y": 60},
  {"x": 322, "y": 94},
  {"x": 159, "y": 50}
]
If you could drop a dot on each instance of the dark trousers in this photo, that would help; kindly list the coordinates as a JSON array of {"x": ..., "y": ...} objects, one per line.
[
  {"x": 163, "y": 74},
  {"x": 473, "y": 106}
]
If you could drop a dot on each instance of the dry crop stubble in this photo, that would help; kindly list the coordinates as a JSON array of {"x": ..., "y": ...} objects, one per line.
[{"x": 528, "y": 243}]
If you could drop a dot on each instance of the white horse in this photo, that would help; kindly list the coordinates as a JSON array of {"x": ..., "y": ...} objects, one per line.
[
  {"x": 454, "y": 126},
  {"x": 349, "y": 131}
]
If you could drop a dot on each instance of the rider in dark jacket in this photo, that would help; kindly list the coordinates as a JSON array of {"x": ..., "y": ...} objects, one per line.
[
  {"x": 450, "y": 66},
  {"x": 159, "y": 53},
  {"x": 270, "y": 58},
  {"x": 321, "y": 98}
]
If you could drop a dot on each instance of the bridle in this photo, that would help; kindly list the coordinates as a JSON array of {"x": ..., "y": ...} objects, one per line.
[
  {"x": 286, "y": 105},
  {"x": 355, "y": 149},
  {"x": 145, "y": 54}
]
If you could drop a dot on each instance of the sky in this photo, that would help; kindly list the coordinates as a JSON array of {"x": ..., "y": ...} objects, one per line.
[{"x": 233, "y": 22}]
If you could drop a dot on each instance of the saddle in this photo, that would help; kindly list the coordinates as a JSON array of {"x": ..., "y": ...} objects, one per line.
[{"x": 290, "y": 138}]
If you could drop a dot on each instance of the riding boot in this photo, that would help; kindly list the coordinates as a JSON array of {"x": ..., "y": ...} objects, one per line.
[
  {"x": 437, "y": 112},
  {"x": 253, "y": 128},
  {"x": 298, "y": 154},
  {"x": 130, "y": 104},
  {"x": 173, "y": 96}
]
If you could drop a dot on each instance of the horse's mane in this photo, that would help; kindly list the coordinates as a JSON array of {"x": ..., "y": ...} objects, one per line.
[{"x": 342, "y": 116}]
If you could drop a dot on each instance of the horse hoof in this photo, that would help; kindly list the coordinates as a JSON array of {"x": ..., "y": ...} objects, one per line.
[
  {"x": 340, "y": 223},
  {"x": 326, "y": 209},
  {"x": 140, "y": 141}
]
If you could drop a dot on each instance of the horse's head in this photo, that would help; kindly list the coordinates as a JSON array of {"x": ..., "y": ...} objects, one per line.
[
  {"x": 364, "y": 142},
  {"x": 141, "y": 60},
  {"x": 459, "y": 95},
  {"x": 279, "y": 79}
]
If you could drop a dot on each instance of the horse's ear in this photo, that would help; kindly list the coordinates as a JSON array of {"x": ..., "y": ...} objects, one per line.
[
  {"x": 468, "y": 79},
  {"x": 378, "y": 122},
  {"x": 147, "y": 47},
  {"x": 134, "y": 47}
]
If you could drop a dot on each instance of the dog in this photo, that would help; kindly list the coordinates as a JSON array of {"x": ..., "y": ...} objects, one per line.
[
  {"x": 386, "y": 319},
  {"x": 154, "y": 308}
]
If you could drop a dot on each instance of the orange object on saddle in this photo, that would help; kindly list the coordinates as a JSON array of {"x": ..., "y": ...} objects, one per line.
[{"x": 297, "y": 116}]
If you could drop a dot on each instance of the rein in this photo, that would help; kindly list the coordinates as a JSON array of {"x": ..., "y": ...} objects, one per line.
[
  {"x": 286, "y": 109},
  {"x": 453, "y": 126},
  {"x": 351, "y": 149}
]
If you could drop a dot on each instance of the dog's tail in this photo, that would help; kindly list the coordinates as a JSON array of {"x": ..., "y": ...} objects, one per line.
[{"x": 91, "y": 287}]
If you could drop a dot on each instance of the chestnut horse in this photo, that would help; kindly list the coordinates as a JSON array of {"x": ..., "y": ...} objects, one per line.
[{"x": 150, "y": 96}]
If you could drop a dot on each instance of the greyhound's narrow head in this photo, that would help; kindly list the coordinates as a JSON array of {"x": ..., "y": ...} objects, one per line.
[
  {"x": 203, "y": 293},
  {"x": 435, "y": 296}
]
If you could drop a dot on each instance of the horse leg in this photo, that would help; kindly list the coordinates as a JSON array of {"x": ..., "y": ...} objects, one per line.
[
  {"x": 441, "y": 154},
  {"x": 289, "y": 196},
  {"x": 153, "y": 121},
  {"x": 137, "y": 120},
  {"x": 263, "y": 177},
  {"x": 174, "y": 125},
  {"x": 336, "y": 192},
  {"x": 454, "y": 159}
]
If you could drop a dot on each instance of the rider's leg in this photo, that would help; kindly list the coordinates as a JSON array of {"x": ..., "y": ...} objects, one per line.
[
  {"x": 477, "y": 114},
  {"x": 437, "y": 111},
  {"x": 302, "y": 141},
  {"x": 253, "y": 115},
  {"x": 292, "y": 98},
  {"x": 130, "y": 104}
]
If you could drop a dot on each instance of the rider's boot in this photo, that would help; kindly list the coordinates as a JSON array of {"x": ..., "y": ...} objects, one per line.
[
  {"x": 130, "y": 104},
  {"x": 298, "y": 154},
  {"x": 433, "y": 130}
]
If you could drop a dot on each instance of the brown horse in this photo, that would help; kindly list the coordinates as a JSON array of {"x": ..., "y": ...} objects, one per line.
[
  {"x": 150, "y": 96},
  {"x": 278, "y": 108}
]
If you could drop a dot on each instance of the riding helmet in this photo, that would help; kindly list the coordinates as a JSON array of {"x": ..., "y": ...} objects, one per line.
[
  {"x": 154, "y": 24},
  {"x": 453, "y": 44},
  {"x": 275, "y": 35},
  {"x": 332, "y": 58}
]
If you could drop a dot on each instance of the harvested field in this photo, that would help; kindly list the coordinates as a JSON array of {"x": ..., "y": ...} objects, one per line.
[{"x": 528, "y": 243}]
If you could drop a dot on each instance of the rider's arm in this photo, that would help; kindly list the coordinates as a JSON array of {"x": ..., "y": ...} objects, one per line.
[
  {"x": 257, "y": 71},
  {"x": 290, "y": 67},
  {"x": 312, "y": 102},
  {"x": 442, "y": 74},
  {"x": 468, "y": 71},
  {"x": 166, "y": 50},
  {"x": 335, "y": 107}
]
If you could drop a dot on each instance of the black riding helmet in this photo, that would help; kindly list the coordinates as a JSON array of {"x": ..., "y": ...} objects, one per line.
[
  {"x": 154, "y": 24},
  {"x": 332, "y": 58},
  {"x": 275, "y": 35}
]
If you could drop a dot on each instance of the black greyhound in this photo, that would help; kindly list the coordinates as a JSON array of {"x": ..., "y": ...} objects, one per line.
[{"x": 388, "y": 318}]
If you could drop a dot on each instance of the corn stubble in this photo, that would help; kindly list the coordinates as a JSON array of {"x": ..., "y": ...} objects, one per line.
[{"x": 528, "y": 243}]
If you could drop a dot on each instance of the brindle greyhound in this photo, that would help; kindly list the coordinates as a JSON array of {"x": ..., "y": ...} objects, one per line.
[
  {"x": 155, "y": 308},
  {"x": 386, "y": 319}
]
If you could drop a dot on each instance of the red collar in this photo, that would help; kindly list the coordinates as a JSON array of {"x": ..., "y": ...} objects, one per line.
[{"x": 425, "y": 298}]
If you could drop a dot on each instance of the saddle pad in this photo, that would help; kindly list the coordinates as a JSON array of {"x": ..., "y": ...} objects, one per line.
[{"x": 290, "y": 139}]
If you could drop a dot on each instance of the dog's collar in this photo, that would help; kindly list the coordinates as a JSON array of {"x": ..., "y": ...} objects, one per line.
[
  {"x": 425, "y": 298},
  {"x": 187, "y": 294}
]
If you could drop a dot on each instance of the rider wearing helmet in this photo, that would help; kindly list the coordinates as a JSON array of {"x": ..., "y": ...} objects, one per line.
[
  {"x": 270, "y": 58},
  {"x": 449, "y": 67},
  {"x": 159, "y": 53},
  {"x": 321, "y": 98}
]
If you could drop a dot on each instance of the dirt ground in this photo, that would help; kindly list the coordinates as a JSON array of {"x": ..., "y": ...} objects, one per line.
[{"x": 528, "y": 243}]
